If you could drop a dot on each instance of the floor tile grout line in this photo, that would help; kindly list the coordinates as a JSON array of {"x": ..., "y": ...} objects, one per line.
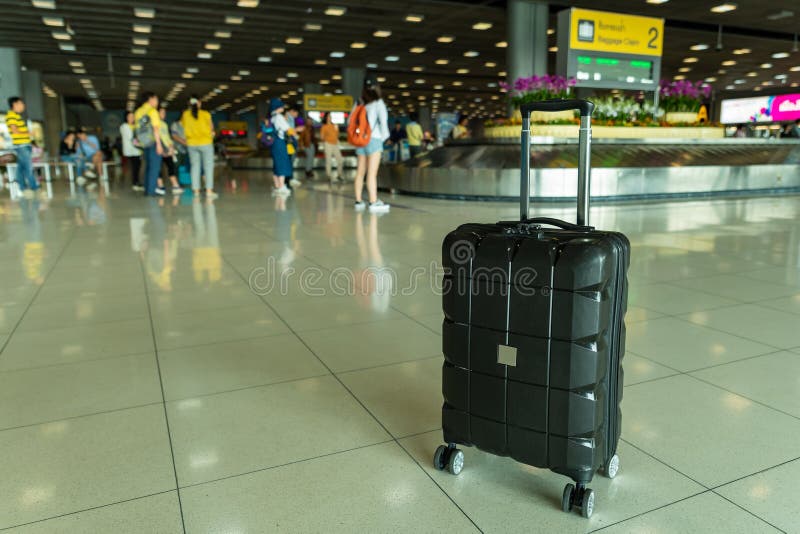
[
  {"x": 36, "y": 293},
  {"x": 760, "y": 403},
  {"x": 657, "y": 508},
  {"x": 80, "y": 416},
  {"x": 352, "y": 394},
  {"x": 286, "y": 464},
  {"x": 754, "y": 473},
  {"x": 382, "y": 365},
  {"x": 67, "y": 514},
  {"x": 163, "y": 396},
  {"x": 662, "y": 462},
  {"x": 416, "y": 320},
  {"x": 723, "y": 331},
  {"x": 748, "y": 511},
  {"x": 75, "y": 362}
]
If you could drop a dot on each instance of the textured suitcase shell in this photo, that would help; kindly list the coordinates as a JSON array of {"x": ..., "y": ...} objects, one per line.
[{"x": 557, "y": 297}]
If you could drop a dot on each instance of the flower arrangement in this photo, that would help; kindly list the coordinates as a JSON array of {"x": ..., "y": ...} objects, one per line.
[
  {"x": 537, "y": 88},
  {"x": 683, "y": 96}
]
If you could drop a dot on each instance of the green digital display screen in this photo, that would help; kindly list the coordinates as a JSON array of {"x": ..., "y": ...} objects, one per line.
[{"x": 605, "y": 70}]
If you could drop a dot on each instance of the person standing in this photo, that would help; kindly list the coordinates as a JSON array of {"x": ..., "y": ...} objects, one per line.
[
  {"x": 148, "y": 134},
  {"x": 308, "y": 146},
  {"x": 369, "y": 156},
  {"x": 168, "y": 159},
  {"x": 330, "y": 138},
  {"x": 414, "y": 135},
  {"x": 396, "y": 140},
  {"x": 21, "y": 139},
  {"x": 460, "y": 131},
  {"x": 199, "y": 131},
  {"x": 281, "y": 162},
  {"x": 296, "y": 126},
  {"x": 130, "y": 152}
]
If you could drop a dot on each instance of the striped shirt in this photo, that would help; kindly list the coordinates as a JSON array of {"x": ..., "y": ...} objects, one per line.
[{"x": 22, "y": 137}]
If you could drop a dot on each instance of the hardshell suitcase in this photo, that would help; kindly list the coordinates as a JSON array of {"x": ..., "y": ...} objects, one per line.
[{"x": 534, "y": 334}]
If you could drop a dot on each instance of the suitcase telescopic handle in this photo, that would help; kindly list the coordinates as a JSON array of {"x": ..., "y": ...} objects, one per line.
[
  {"x": 559, "y": 223},
  {"x": 585, "y": 107}
]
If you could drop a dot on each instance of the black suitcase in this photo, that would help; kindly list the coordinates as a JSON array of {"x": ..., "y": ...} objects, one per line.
[{"x": 534, "y": 334}]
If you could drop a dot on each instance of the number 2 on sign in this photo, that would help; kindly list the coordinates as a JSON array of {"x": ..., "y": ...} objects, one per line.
[{"x": 653, "y": 33}]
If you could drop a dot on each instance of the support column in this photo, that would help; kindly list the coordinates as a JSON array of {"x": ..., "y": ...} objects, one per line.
[
  {"x": 353, "y": 81},
  {"x": 425, "y": 121},
  {"x": 262, "y": 110},
  {"x": 53, "y": 124},
  {"x": 10, "y": 75},
  {"x": 32, "y": 94},
  {"x": 527, "y": 38}
]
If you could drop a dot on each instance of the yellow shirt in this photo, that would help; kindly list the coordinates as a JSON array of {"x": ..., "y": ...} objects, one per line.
[
  {"x": 414, "y": 134},
  {"x": 22, "y": 137},
  {"x": 198, "y": 131},
  {"x": 150, "y": 111}
]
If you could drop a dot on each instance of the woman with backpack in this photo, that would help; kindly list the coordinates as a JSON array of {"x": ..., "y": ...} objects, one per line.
[
  {"x": 281, "y": 162},
  {"x": 199, "y": 131},
  {"x": 368, "y": 130}
]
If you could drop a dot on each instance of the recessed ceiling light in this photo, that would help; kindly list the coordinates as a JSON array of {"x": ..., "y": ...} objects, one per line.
[
  {"x": 439, "y": 87},
  {"x": 382, "y": 33},
  {"x": 44, "y": 4},
  {"x": 324, "y": 82},
  {"x": 372, "y": 65},
  {"x": 699, "y": 47},
  {"x": 680, "y": 77},
  {"x": 723, "y": 8},
  {"x": 335, "y": 11},
  {"x": 291, "y": 75},
  {"x": 710, "y": 79},
  {"x": 212, "y": 46},
  {"x": 264, "y": 59},
  {"x": 312, "y": 27},
  {"x": 78, "y": 64},
  {"x": 553, "y": 49},
  {"x": 684, "y": 69},
  {"x": 729, "y": 63},
  {"x": 417, "y": 49},
  {"x": 381, "y": 79},
  {"x": 244, "y": 73},
  {"x": 278, "y": 50},
  {"x": 392, "y": 58},
  {"x": 142, "y": 28},
  {"x": 780, "y": 55},
  {"x": 445, "y": 39},
  {"x": 231, "y": 19},
  {"x": 204, "y": 55},
  {"x": 136, "y": 67},
  {"x": 236, "y": 78},
  {"x": 442, "y": 61},
  {"x": 53, "y": 21},
  {"x": 795, "y": 68},
  {"x": 738, "y": 82},
  {"x": 337, "y": 54},
  {"x": 405, "y": 93},
  {"x": 781, "y": 76},
  {"x": 79, "y": 70},
  {"x": 193, "y": 70},
  {"x": 222, "y": 35},
  {"x": 463, "y": 71},
  {"x": 414, "y": 18},
  {"x": 458, "y": 83},
  {"x": 752, "y": 74},
  {"x": 740, "y": 51},
  {"x": 66, "y": 47},
  {"x": 691, "y": 60},
  {"x": 417, "y": 68},
  {"x": 502, "y": 74},
  {"x": 247, "y": 3},
  {"x": 490, "y": 64},
  {"x": 471, "y": 53},
  {"x": 766, "y": 65},
  {"x": 402, "y": 85},
  {"x": 320, "y": 62},
  {"x": 501, "y": 44},
  {"x": 337, "y": 76},
  {"x": 419, "y": 81},
  {"x": 480, "y": 26},
  {"x": 294, "y": 40},
  {"x": 61, "y": 36},
  {"x": 141, "y": 41},
  {"x": 144, "y": 12},
  {"x": 281, "y": 80},
  {"x": 187, "y": 75},
  {"x": 766, "y": 82},
  {"x": 657, "y": 2},
  {"x": 358, "y": 44}
]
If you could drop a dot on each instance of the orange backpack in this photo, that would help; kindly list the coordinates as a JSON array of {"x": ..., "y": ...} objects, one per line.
[{"x": 358, "y": 130}]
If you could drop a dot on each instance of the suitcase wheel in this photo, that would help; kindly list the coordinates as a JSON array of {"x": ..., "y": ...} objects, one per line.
[
  {"x": 448, "y": 457},
  {"x": 579, "y": 496},
  {"x": 612, "y": 467}
]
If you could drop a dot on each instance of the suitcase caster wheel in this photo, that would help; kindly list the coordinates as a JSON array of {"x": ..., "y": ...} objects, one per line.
[
  {"x": 455, "y": 462},
  {"x": 587, "y": 506},
  {"x": 612, "y": 467},
  {"x": 566, "y": 497},
  {"x": 440, "y": 458}
]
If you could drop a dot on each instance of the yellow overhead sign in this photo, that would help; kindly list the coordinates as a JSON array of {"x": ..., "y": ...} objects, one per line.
[
  {"x": 602, "y": 31},
  {"x": 328, "y": 102}
]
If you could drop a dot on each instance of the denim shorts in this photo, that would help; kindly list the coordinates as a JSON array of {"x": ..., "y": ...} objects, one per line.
[{"x": 374, "y": 145}]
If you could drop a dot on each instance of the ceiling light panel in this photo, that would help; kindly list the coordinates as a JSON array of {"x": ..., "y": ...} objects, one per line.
[
  {"x": 53, "y": 21},
  {"x": 482, "y": 26},
  {"x": 382, "y": 33},
  {"x": 411, "y": 17},
  {"x": 141, "y": 41},
  {"x": 248, "y": 3},
  {"x": 294, "y": 40},
  {"x": 144, "y": 12},
  {"x": 724, "y": 8},
  {"x": 358, "y": 44},
  {"x": 44, "y": 4},
  {"x": 335, "y": 11},
  {"x": 222, "y": 34},
  {"x": 699, "y": 47},
  {"x": 142, "y": 28}
]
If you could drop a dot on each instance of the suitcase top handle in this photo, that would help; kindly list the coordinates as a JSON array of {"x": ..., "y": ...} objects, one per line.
[{"x": 585, "y": 107}]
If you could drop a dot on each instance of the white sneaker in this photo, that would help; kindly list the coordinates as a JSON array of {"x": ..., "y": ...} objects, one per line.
[
  {"x": 359, "y": 205},
  {"x": 90, "y": 174},
  {"x": 137, "y": 188},
  {"x": 177, "y": 190},
  {"x": 80, "y": 180},
  {"x": 211, "y": 195},
  {"x": 283, "y": 191},
  {"x": 378, "y": 207},
  {"x": 160, "y": 191},
  {"x": 294, "y": 182}
]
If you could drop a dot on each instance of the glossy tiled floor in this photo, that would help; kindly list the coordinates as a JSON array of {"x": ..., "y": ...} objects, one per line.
[{"x": 237, "y": 367}]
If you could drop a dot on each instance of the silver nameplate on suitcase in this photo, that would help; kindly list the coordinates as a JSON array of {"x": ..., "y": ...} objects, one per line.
[{"x": 507, "y": 355}]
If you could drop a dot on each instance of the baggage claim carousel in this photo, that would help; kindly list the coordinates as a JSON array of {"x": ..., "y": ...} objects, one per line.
[{"x": 640, "y": 169}]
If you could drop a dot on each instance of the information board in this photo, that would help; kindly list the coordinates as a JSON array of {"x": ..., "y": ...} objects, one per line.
[
  {"x": 313, "y": 102},
  {"x": 610, "y": 50},
  {"x": 775, "y": 108}
]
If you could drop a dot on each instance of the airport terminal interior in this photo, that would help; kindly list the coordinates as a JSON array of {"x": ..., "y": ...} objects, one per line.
[{"x": 206, "y": 327}]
